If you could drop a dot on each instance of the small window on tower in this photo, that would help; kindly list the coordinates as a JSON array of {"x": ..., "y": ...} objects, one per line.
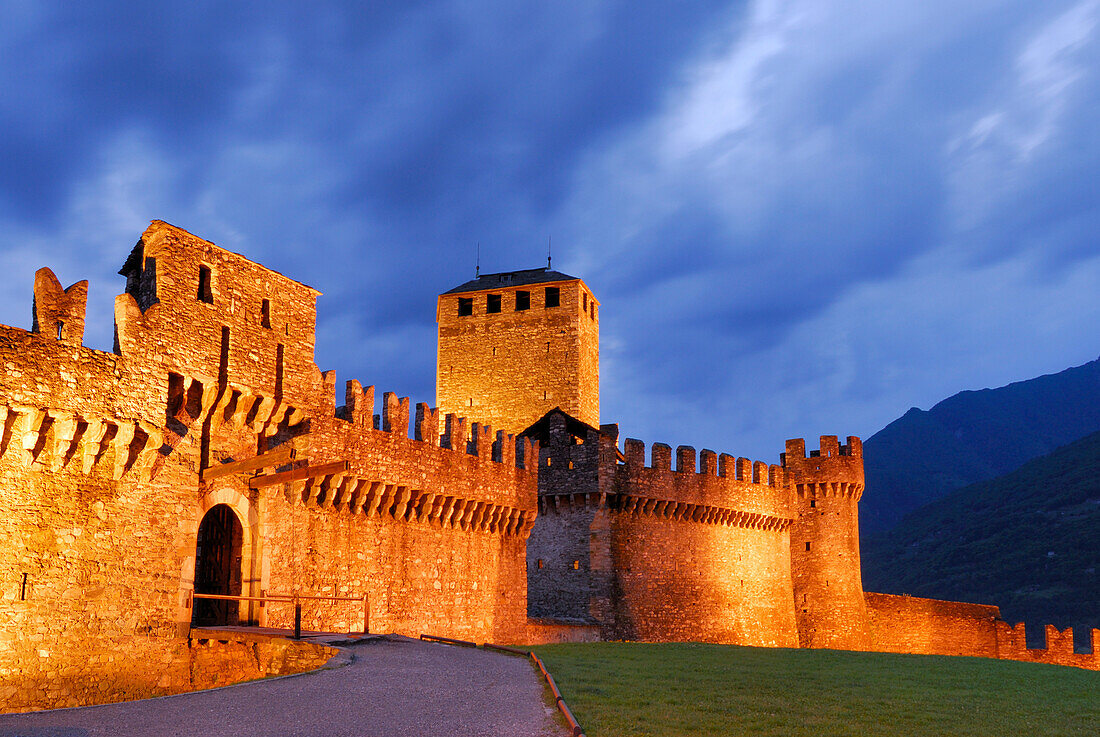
[
  {"x": 205, "y": 294},
  {"x": 465, "y": 306},
  {"x": 807, "y": 545},
  {"x": 523, "y": 301},
  {"x": 813, "y": 503},
  {"x": 553, "y": 296},
  {"x": 584, "y": 302},
  {"x": 492, "y": 303},
  {"x": 540, "y": 562},
  {"x": 576, "y": 565},
  {"x": 265, "y": 313}
]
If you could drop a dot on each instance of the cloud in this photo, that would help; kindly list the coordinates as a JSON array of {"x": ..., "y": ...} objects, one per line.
[
  {"x": 812, "y": 154},
  {"x": 799, "y": 215}
]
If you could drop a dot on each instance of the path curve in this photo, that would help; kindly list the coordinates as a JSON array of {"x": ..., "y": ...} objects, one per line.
[{"x": 394, "y": 686}]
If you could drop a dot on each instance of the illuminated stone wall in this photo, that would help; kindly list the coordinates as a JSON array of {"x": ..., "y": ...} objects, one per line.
[
  {"x": 908, "y": 624},
  {"x": 700, "y": 552},
  {"x": 102, "y": 489},
  {"x": 507, "y": 369},
  {"x": 825, "y": 565}
]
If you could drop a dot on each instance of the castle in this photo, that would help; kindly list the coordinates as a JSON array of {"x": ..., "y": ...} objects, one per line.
[{"x": 207, "y": 455}]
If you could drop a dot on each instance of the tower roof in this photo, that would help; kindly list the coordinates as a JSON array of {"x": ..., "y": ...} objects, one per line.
[{"x": 520, "y": 278}]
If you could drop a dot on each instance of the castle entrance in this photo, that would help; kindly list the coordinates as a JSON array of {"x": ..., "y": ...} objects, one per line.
[{"x": 218, "y": 567}]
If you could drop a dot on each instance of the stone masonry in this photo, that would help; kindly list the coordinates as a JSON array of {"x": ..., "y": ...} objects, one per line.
[{"x": 207, "y": 454}]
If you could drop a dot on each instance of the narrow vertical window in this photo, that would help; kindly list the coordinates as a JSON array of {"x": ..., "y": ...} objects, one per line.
[
  {"x": 465, "y": 306},
  {"x": 492, "y": 303},
  {"x": 553, "y": 296},
  {"x": 265, "y": 313},
  {"x": 223, "y": 364},
  {"x": 523, "y": 301},
  {"x": 279, "y": 371},
  {"x": 60, "y": 329},
  {"x": 205, "y": 294},
  {"x": 584, "y": 301},
  {"x": 807, "y": 545}
]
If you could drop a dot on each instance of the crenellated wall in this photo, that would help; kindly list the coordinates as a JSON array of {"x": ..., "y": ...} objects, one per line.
[
  {"x": 109, "y": 463},
  {"x": 825, "y": 566},
  {"x": 699, "y": 552},
  {"x": 211, "y": 412},
  {"x": 909, "y": 624}
]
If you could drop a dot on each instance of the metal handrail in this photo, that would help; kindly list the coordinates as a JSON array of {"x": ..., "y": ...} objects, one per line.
[{"x": 295, "y": 599}]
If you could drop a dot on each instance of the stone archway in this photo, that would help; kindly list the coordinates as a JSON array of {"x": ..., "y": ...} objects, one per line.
[{"x": 218, "y": 566}]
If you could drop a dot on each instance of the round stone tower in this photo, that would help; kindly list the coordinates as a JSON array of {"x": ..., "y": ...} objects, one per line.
[{"x": 826, "y": 487}]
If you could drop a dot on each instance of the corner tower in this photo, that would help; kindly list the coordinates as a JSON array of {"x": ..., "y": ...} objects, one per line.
[
  {"x": 830, "y": 608},
  {"x": 513, "y": 346}
]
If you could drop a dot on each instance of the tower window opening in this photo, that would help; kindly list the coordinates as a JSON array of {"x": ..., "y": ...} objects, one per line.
[
  {"x": 205, "y": 293},
  {"x": 548, "y": 347},
  {"x": 584, "y": 302},
  {"x": 265, "y": 313},
  {"x": 576, "y": 565},
  {"x": 593, "y": 312},
  {"x": 813, "y": 503},
  {"x": 553, "y": 296},
  {"x": 523, "y": 301},
  {"x": 540, "y": 563},
  {"x": 492, "y": 303},
  {"x": 494, "y": 350},
  {"x": 807, "y": 545},
  {"x": 60, "y": 329},
  {"x": 465, "y": 306}
]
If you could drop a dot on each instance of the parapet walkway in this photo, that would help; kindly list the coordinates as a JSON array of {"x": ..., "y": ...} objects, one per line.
[{"x": 393, "y": 686}]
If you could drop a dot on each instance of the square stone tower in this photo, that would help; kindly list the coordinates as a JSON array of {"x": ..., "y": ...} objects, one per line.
[{"x": 513, "y": 346}]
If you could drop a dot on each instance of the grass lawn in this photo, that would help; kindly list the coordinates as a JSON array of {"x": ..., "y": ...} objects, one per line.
[{"x": 671, "y": 690}]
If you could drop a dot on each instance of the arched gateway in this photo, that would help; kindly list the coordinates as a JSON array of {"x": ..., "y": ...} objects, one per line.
[{"x": 218, "y": 566}]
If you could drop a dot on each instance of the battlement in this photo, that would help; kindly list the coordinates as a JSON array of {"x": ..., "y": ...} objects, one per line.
[
  {"x": 703, "y": 480},
  {"x": 455, "y": 433},
  {"x": 1057, "y": 649},
  {"x": 832, "y": 470}
]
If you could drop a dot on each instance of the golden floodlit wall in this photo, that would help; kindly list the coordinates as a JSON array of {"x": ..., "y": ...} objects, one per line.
[
  {"x": 506, "y": 360},
  {"x": 109, "y": 479}
]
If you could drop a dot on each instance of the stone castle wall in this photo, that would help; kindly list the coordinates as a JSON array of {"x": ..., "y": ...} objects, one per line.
[
  {"x": 651, "y": 553},
  {"x": 908, "y": 624},
  {"x": 108, "y": 464},
  {"x": 826, "y": 487}
]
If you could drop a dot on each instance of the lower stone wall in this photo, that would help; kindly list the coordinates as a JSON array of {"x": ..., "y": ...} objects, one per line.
[
  {"x": 907, "y": 624},
  {"x": 679, "y": 580},
  {"x": 548, "y": 632},
  {"x": 220, "y": 662},
  {"x": 1012, "y": 645},
  {"x": 419, "y": 577},
  {"x": 143, "y": 667}
]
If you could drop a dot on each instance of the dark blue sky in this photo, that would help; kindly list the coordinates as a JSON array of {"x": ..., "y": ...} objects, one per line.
[{"x": 801, "y": 217}]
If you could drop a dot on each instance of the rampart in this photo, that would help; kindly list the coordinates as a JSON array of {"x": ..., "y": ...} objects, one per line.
[
  {"x": 826, "y": 486},
  {"x": 908, "y": 624},
  {"x": 699, "y": 552},
  {"x": 112, "y": 464}
]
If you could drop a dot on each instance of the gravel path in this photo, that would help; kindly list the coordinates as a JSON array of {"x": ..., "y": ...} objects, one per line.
[{"x": 394, "y": 686}]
